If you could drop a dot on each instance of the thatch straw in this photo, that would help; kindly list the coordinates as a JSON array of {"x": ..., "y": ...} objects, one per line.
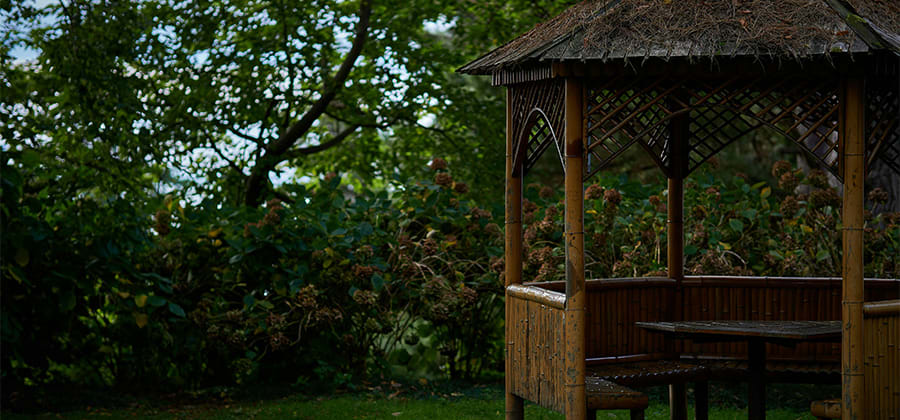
[{"x": 603, "y": 29}]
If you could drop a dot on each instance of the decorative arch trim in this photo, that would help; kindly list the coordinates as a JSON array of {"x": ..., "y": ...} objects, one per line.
[
  {"x": 538, "y": 119},
  {"x": 535, "y": 138}
]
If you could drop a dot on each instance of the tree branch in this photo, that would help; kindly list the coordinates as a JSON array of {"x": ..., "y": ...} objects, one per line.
[
  {"x": 289, "y": 96},
  {"x": 242, "y": 135},
  {"x": 289, "y": 137},
  {"x": 275, "y": 151},
  {"x": 336, "y": 140}
]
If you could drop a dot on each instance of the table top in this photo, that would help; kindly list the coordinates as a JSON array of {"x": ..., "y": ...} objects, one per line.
[{"x": 791, "y": 330}]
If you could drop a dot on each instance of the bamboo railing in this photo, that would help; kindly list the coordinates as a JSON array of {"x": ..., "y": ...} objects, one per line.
[
  {"x": 536, "y": 345},
  {"x": 881, "y": 326},
  {"x": 614, "y": 305},
  {"x": 771, "y": 299}
]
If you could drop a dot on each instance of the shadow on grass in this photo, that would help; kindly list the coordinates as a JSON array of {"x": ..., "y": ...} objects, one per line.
[{"x": 387, "y": 400}]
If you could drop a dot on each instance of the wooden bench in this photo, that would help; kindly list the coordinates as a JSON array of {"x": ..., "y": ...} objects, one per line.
[
  {"x": 823, "y": 372},
  {"x": 650, "y": 373},
  {"x": 659, "y": 372},
  {"x": 606, "y": 395}
]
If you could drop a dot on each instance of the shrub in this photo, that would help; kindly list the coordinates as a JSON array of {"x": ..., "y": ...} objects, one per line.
[{"x": 341, "y": 283}]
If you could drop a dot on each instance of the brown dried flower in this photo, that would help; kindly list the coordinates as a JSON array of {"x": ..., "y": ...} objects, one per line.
[
  {"x": 443, "y": 179},
  {"x": 478, "y": 213},
  {"x": 546, "y": 192},
  {"x": 438, "y": 164},
  {"x": 780, "y": 168},
  {"x": 594, "y": 192},
  {"x": 879, "y": 196},
  {"x": 498, "y": 265},
  {"x": 460, "y": 187},
  {"x": 612, "y": 197},
  {"x": 789, "y": 206},
  {"x": 817, "y": 178},
  {"x": 788, "y": 181},
  {"x": 824, "y": 197},
  {"x": 492, "y": 228}
]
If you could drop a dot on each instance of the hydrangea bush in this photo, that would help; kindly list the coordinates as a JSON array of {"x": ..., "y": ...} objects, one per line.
[{"x": 340, "y": 283}]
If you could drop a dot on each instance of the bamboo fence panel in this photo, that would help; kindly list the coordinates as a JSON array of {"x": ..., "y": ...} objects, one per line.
[
  {"x": 881, "y": 327},
  {"x": 537, "y": 352},
  {"x": 779, "y": 299},
  {"x": 615, "y": 304}
]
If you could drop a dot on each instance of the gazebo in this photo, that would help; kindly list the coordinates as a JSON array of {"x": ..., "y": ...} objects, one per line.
[{"x": 683, "y": 79}]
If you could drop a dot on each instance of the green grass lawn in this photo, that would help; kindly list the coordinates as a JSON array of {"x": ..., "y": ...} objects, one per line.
[{"x": 480, "y": 402}]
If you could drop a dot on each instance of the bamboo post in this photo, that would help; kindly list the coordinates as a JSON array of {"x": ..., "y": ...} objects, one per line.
[
  {"x": 576, "y": 399},
  {"x": 675, "y": 243},
  {"x": 852, "y": 130},
  {"x": 513, "y": 254}
]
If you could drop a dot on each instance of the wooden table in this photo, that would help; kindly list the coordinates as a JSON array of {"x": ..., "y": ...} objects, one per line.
[{"x": 757, "y": 334}]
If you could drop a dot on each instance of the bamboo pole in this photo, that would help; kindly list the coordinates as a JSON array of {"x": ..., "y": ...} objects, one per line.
[
  {"x": 576, "y": 401},
  {"x": 852, "y": 126},
  {"x": 675, "y": 243},
  {"x": 514, "y": 404}
]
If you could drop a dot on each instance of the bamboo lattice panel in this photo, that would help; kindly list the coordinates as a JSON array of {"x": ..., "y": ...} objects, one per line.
[
  {"x": 621, "y": 112},
  {"x": 883, "y": 122},
  {"x": 538, "y": 110}
]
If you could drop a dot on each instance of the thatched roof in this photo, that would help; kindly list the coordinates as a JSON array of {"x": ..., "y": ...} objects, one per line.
[{"x": 624, "y": 29}]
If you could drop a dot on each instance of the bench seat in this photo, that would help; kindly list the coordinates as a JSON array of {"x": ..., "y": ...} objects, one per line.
[
  {"x": 658, "y": 372},
  {"x": 606, "y": 395},
  {"x": 650, "y": 373},
  {"x": 779, "y": 371}
]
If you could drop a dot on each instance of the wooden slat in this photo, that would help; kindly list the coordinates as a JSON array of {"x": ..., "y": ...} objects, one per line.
[
  {"x": 537, "y": 354},
  {"x": 798, "y": 330},
  {"x": 882, "y": 359}
]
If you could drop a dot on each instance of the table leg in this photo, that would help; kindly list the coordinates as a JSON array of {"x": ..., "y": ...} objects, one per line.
[
  {"x": 677, "y": 401},
  {"x": 701, "y": 400},
  {"x": 757, "y": 368}
]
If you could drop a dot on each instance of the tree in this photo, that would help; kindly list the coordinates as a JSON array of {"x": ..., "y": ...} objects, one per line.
[{"x": 221, "y": 97}]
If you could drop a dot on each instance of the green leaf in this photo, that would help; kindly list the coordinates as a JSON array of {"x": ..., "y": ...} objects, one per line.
[
  {"x": 365, "y": 229},
  {"x": 776, "y": 254},
  {"x": 377, "y": 282},
  {"x": 295, "y": 285},
  {"x": 175, "y": 309},
  {"x": 141, "y": 320},
  {"x": 156, "y": 301},
  {"x": 690, "y": 250},
  {"x": 822, "y": 255},
  {"x": 67, "y": 301},
  {"x": 736, "y": 224},
  {"x": 22, "y": 257},
  {"x": 249, "y": 300},
  {"x": 165, "y": 287}
]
